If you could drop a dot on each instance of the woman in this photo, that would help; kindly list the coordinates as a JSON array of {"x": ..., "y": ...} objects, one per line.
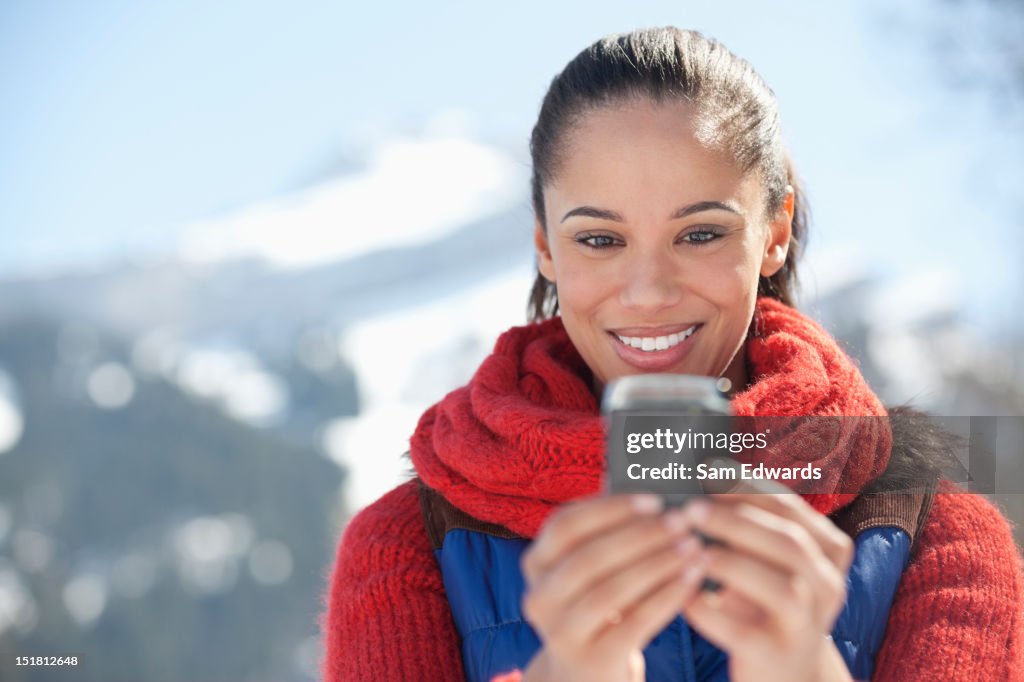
[{"x": 668, "y": 223}]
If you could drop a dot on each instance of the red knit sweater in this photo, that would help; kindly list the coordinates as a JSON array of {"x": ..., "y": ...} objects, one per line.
[{"x": 524, "y": 436}]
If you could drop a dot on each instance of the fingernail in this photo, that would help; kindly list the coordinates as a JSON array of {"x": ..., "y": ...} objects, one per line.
[
  {"x": 676, "y": 521},
  {"x": 647, "y": 504},
  {"x": 692, "y": 573},
  {"x": 698, "y": 511},
  {"x": 687, "y": 546}
]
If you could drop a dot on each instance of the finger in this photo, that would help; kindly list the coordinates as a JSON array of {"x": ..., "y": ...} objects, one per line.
[
  {"x": 655, "y": 610},
  {"x": 748, "y": 528},
  {"x": 577, "y": 521},
  {"x": 766, "y": 586},
  {"x": 836, "y": 544},
  {"x": 726, "y": 620},
  {"x": 618, "y": 595},
  {"x": 779, "y": 542},
  {"x": 600, "y": 557}
]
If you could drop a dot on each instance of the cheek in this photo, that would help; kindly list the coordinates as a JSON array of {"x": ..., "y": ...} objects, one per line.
[
  {"x": 582, "y": 285},
  {"x": 729, "y": 279},
  {"x": 733, "y": 292}
]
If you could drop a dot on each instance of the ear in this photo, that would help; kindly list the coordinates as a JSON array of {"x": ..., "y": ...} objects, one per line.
[
  {"x": 780, "y": 231},
  {"x": 545, "y": 264}
]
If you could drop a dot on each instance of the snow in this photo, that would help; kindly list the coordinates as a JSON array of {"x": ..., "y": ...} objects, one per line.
[
  {"x": 413, "y": 191},
  {"x": 407, "y": 361}
]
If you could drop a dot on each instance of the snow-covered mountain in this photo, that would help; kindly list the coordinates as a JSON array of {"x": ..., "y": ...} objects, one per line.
[{"x": 396, "y": 277}]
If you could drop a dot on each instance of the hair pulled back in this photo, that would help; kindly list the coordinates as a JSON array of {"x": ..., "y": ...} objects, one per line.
[{"x": 733, "y": 107}]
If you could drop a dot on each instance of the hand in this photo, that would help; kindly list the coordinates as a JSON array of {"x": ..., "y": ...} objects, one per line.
[
  {"x": 783, "y": 570},
  {"x": 604, "y": 576}
]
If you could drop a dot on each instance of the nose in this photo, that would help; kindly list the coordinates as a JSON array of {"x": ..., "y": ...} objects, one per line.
[{"x": 650, "y": 283}]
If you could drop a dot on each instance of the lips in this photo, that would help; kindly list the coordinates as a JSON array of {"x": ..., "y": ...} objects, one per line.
[{"x": 654, "y": 349}]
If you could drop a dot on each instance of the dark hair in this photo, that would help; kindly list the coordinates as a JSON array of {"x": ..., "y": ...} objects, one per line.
[{"x": 733, "y": 106}]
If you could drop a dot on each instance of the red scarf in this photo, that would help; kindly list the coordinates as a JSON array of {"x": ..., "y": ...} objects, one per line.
[{"x": 526, "y": 434}]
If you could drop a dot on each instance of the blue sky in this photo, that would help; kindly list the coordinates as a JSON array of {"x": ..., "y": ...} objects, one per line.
[{"x": 122, "y": 121}]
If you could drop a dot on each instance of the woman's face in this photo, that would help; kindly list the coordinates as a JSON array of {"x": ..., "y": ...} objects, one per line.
[{"x": 655, "y": 243}]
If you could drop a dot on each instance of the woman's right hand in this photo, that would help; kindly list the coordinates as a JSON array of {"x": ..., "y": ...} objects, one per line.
[{"x": 603, "y": 577}]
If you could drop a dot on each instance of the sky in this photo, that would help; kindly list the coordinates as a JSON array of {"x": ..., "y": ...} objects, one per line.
[{"x": 125, "y": 122}]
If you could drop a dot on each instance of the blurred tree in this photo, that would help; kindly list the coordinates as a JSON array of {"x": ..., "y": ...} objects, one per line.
[
  {"x": 205, "y": 538},
  {"x": 979, "y": 48}
]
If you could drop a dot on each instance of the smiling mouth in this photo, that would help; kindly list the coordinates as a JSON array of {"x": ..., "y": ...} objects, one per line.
[{"x": 656, "y": 343}]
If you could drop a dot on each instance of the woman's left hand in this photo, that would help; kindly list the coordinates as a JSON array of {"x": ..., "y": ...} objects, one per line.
[{"x": 783, "y": 570}]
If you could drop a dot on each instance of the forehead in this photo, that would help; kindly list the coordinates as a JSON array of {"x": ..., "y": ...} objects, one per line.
[{"x": 644, "y": 153}]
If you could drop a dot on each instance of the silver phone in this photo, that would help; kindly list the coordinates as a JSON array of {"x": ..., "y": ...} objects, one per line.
[
  {"x": 659, "y": 429},
  {"x": 678, "y": 405}
]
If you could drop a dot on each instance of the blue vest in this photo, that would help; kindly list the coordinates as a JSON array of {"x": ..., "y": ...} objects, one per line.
[{"x": 484, "y": 586}]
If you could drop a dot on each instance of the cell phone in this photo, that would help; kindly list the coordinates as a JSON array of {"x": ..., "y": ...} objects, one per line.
[
  {"x": 677, "y": 404},
  {"x": 661, "y": 429}
]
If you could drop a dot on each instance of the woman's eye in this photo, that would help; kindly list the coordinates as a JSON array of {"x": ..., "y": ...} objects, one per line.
[
  {"x": 597, "y": 241},
  {"x": 700, "y": 236}
]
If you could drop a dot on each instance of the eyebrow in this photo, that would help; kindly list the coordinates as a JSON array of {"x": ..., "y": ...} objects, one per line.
[{"x": 604, "y": 214}]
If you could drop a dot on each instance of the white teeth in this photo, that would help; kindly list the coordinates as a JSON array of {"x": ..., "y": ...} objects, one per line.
[{"x": 652, "y": 343}]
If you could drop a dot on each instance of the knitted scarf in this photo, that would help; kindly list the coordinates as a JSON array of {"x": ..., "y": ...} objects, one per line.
[{"x": 526, "y": 435}]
